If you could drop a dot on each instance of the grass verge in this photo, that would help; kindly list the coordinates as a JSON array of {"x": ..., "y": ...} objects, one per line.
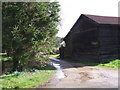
[
  {"x": 26, "y": 79},
  {"x": 110, "y": 64}
]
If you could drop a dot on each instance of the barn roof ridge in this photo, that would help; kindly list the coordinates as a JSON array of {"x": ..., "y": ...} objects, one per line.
[{"x": 103, "y": 19}]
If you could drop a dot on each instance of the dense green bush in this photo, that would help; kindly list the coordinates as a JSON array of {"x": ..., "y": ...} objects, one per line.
[{"x": 29, "y": 30}]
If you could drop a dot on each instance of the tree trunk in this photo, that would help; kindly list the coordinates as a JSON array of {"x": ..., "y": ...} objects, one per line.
[{"x": 1, "y": 67}]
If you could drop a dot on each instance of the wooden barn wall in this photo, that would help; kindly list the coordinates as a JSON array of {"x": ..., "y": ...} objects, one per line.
[
  {"x": 87, "y": 41},
  {"x": 68, "y": 53},
  {"x": 83, "y": 24},
  {"x": 119, "y": 41},
  {"x": 108, "y": 40},
  {"x": 67, "y": 49},
  {"x": 82, "y": 40},
  {"x": 85, "y": 45}
]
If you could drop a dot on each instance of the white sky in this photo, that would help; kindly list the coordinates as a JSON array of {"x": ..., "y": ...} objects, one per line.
[{"x": 72, "y": 9}]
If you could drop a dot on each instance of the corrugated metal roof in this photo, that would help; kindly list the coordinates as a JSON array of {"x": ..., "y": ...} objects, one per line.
[{"x": 104, "y": 19}]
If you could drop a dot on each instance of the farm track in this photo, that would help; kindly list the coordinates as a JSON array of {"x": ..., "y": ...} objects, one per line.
[{"x": 74, "y": 75}]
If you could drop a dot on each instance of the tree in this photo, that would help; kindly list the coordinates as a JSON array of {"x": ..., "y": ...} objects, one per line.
[{"x": 29, "y": 30}]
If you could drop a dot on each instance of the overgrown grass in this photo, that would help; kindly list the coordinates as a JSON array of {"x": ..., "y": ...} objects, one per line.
[
  {"x": 27, "y": 79},
  {"x": 110, "y": 63}
]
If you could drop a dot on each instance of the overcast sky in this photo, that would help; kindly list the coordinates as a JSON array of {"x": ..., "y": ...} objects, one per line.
[{"x": 72, "y": 9}]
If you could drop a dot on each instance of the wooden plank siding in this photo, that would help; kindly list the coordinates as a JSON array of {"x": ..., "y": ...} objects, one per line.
[
  {"x": 108, "y": 38},
  {"x": 89, "y": 40},
  {"x": 119, "y": 41}
]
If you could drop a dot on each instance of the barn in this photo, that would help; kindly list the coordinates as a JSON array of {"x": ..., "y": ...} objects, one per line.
[{"x": 92, "y": 38}]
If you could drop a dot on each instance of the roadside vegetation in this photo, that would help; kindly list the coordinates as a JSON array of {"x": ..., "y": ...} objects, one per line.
[
  {"x": 29, "y": 35},
  {"x": 27, "y": 79},
  {"x": 109, "y": 63}
]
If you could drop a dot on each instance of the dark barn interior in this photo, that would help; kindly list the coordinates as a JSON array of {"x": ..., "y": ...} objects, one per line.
[{"x": 92, "y": 38}]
